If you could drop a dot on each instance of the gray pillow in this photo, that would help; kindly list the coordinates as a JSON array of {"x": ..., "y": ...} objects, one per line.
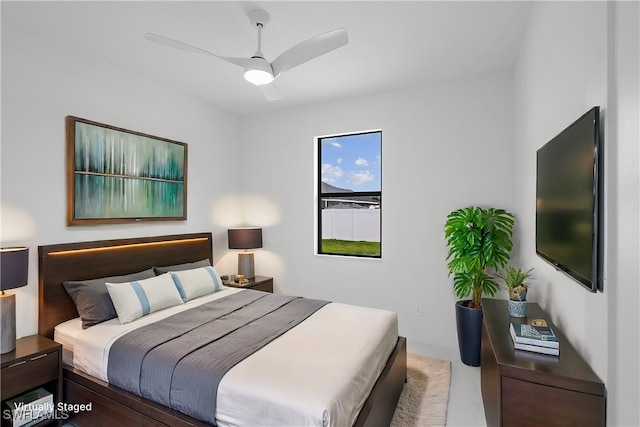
[
  {"x": 92, "y": 299},
  {"x": 181, "y": 267}
]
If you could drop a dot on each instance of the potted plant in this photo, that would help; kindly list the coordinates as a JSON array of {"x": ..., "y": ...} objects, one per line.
[
  {"x": 514, "y": 282},
  {"x": 478, "y": 239}
]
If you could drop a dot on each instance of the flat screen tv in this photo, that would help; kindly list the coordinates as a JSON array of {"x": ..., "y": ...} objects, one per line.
[{"x": 569, "y": 201}]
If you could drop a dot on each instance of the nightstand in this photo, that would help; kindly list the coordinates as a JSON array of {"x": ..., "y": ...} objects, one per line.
[
  {"x": 36, "y": 362},
  {"x": 258, "y": 283}
]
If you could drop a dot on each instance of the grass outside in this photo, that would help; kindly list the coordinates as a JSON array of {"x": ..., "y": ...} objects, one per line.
[{"x": 350, "y": 247}]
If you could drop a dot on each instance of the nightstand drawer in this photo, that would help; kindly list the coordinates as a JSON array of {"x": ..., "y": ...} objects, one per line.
[
  {"x": 258, "y": 283},
  {"x": 264, "y": 287},
  {"x": 29, "y": 373}
]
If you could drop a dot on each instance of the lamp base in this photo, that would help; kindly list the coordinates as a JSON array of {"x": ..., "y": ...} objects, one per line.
[
  {"x": 245, "y": 265},
  {"x": 8, "y": 319}
]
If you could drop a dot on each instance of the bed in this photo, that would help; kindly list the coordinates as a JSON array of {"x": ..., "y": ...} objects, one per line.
[{"x": 112, "y": 405}]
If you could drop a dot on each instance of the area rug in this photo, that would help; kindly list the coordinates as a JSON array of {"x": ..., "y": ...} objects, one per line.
[{"x": 424, "y": 399}]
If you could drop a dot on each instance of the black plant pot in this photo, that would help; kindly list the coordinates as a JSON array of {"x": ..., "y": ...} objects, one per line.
[{"x": 469, "y": 322}]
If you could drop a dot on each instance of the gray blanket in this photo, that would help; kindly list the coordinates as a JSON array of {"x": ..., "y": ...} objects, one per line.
[{"x": 179, "y": 361}]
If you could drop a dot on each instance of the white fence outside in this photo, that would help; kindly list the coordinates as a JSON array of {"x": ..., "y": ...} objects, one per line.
[{"x": 351, "y": 224}]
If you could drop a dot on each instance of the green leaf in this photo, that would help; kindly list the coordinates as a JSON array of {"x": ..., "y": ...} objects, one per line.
[{"x": 477, "y": 239}]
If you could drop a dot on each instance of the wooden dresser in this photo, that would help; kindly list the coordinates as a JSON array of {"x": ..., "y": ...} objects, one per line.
[{"x": 525, "y": 389}]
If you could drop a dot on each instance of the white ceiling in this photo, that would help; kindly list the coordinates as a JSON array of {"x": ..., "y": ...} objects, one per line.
[{"x": 392, "y": 45}]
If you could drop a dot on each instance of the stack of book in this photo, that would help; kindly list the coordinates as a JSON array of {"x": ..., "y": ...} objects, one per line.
[
  {"x": 29, "y": 409},
  {"x": 539, "y": 339}
]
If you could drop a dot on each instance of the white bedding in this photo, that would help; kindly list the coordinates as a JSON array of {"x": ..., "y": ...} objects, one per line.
[{"x": 317, "y": 374}]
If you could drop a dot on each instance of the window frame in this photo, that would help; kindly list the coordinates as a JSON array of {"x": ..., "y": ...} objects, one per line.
[{"x": 321, "y": 196}]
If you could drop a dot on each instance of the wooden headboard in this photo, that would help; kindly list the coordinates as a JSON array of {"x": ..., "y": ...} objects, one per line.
[{"x": 103, "y": 258}]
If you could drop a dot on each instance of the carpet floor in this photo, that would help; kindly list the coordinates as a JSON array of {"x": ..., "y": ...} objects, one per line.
[{"x": 424, "y": 399}]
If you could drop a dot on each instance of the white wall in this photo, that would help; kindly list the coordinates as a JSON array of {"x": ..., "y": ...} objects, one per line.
[
  {"x": 623, "y": 221},
  {"x": 444, "y": 146},
  {"x": 576, "y": 55},
  {"x": 41, "y": 84}
]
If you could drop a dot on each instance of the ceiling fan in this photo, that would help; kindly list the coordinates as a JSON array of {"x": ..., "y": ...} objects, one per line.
[{"x": 258, "y": 70}]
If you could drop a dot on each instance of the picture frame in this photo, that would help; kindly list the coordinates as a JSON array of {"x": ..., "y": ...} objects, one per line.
[{"x": 116, "y": 175}]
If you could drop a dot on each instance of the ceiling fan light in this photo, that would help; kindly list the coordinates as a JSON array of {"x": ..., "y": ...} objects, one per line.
[{"x": 258, "y": 77}]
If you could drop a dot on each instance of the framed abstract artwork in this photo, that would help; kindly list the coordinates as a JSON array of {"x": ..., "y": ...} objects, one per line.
[{"x": 116, "y": 175}]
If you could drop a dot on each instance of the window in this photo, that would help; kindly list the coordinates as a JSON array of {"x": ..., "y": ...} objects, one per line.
[{"x": 350, "y": 194}]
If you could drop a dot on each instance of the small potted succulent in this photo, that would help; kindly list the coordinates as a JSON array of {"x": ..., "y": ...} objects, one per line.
[{"x": 514, "y": 282}]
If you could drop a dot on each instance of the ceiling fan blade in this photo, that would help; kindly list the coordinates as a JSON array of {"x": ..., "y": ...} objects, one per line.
[
  {"x": 156, "y": 38},
  {"x": 271, "y": 92},
  {"x": 309, "y": 50}
]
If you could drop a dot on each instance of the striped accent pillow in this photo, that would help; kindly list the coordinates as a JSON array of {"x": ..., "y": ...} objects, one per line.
[
  {"x": 196, "y": 282},
  {"x": 135, "y": 299}
]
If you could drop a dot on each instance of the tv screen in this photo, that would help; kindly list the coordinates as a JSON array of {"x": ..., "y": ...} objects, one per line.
[{"x": 568, "y": 194}]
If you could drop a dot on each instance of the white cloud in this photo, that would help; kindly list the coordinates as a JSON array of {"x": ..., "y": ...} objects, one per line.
[
  {"x": 361, "y": 162},
  {"x": 339, "y": 160},
  {"x": 330, "y": 173},
  {"x": 336, "y": 144},
  {"x": 357, "y": 178}
]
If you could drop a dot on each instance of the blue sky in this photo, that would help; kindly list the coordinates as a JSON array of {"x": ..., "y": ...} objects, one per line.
[{"x": 352, "y": 161}]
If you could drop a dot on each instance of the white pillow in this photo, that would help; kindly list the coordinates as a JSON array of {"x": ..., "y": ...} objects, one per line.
[
  {"x": 141, "y": 297},
  {"x": 196, "y": 282}
]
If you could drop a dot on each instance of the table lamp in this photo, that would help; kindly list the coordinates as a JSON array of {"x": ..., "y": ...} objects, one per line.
[
  {"x": 14, "y": 270},
  {"x": 245, "y": 238}
]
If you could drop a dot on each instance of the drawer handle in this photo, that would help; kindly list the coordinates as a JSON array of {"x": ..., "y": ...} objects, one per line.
[
  {"x": 17, "y": 364},
  {"x": 39, "y": 356}
]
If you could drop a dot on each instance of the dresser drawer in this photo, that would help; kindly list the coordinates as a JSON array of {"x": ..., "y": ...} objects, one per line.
[{"x": 29, "y": 373}]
